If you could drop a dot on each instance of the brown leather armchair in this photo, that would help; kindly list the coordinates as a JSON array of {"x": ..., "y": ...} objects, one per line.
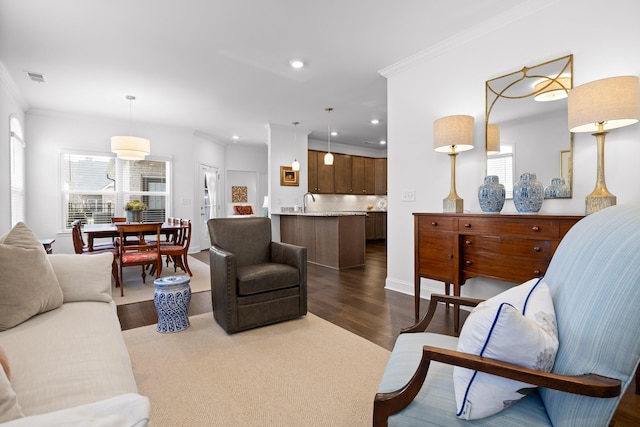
[{"x": 254, "y": 281}]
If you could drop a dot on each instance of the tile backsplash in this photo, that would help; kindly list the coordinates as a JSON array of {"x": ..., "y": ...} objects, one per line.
[{"x": 343, "y": 202}]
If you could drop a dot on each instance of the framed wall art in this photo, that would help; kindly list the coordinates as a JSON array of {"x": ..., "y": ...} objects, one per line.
[{"x": 288, "y": 176}]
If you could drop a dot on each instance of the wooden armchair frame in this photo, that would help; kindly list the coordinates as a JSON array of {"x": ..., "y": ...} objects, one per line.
[{"x": 386, "y": 404}]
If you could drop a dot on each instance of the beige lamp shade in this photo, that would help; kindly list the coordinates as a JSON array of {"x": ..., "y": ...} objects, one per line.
[
  {"x": 552, "y": 90},
  {"x": 612, "y": 102},
  {"x": 130, "y": 147},
  {"x": 493, "y": 139},
  {"x": 453, "y": 134}
]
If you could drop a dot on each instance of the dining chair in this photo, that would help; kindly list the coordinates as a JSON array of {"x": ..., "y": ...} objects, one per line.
[
  {"x": 141, "y": 252},
  {"x": 82, "y": 249},
  {"x": 178, "y": 250},
  {"x": 79, "y": 243}
]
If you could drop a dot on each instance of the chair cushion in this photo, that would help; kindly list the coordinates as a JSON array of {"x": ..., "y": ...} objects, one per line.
[
  {"x": 517, "y": 326},
  {"x": 435, "y": 403},
  {"x": 135, "y": 257},
  {"x": 29, "y": 285},
  {"x": 594, "y": 280},
  {"x": 255, "y": 279}
]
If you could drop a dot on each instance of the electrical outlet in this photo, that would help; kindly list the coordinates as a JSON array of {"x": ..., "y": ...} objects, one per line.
[{"x": 408, "y": 195}]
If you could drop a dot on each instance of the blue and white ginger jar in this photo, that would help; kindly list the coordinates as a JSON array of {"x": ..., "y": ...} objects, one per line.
[
  {"x": 528, "y": 193},
  {"x": 557, "y": 188},
  {"x": 491, "y": 195}
]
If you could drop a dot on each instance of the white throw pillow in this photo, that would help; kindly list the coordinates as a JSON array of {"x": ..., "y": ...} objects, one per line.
[
  {"x": 517, "y": 326},
  {"x": 83, "y": 277},
  {"x": 125, "y": 410}
]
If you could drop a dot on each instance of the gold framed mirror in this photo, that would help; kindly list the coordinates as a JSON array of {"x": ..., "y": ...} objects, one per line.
[{"x": 526, "y": 126}]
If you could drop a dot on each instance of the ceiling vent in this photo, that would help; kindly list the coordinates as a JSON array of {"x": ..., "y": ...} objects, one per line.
[
  {"x": 368, "y": 142},
  {"x": 36, "y": 77}
]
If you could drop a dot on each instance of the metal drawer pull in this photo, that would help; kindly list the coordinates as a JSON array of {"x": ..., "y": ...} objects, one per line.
[
  {"x": 467, "y": 242},
  {"x": 435, "y": 224},
  {"x": 535, "y": 228},
  {"x": 450, "y": 256},
  {"x": 468, "y": 262},
  {"x": 537, "y": 272},
  {"x": 537, "y": 248},
  {"x": 467, "y": 226}
]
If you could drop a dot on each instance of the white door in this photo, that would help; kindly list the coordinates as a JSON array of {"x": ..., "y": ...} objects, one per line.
[{"x": 209, "y": 201}]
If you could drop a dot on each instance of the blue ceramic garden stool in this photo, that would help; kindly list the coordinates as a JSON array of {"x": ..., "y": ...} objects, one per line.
[{"x": 171, "y": 297}]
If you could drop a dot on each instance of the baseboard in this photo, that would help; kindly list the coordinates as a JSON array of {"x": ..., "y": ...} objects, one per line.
[{"x": 427, "y": 287}]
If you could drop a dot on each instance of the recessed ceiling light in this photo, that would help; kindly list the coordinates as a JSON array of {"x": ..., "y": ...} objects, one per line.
[
  {"x": 296, "y": 63},
  {"x": 334, "y": 133},
  {"x": 235, "y": 137},
  {"x": 383, "y": 142},
  {"x": 375, "y": 121}
]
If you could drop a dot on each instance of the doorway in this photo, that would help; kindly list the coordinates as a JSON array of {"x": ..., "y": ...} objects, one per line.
[{"x": 209, "y": 179}]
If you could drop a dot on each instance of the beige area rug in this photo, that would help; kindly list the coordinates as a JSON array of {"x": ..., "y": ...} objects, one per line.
[
  {"x": 136, "y": 291},
  {"x": 304, "y": 372}
]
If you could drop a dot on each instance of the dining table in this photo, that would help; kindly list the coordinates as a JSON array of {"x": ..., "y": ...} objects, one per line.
[{"x": 110, "y": 230}]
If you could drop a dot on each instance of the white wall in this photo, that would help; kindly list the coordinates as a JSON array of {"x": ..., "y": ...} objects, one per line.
[
  {"x": 49, "y": 132},
  {"x": 251, "y": 161},
  {"x": 449, "y": 79}
]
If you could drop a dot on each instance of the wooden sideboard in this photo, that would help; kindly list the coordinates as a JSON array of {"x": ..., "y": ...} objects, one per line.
[{"x": 510, "y": 247}]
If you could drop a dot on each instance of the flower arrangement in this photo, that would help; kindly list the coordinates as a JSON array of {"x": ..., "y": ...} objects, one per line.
[{"x": 135, "y": 205}]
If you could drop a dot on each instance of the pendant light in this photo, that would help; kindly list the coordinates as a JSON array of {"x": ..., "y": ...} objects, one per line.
[
  {"x": 328, "y": 158},
  {"x": 296, "y": 164},
  {"x": 130, "y": 147}
]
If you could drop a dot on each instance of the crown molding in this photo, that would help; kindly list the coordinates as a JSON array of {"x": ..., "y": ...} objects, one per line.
[
  {"x": 488, "y": 26},
  {"x": 13, "y": 88}
]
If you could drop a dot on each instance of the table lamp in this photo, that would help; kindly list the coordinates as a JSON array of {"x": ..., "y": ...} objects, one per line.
[
  {"x": 452, "y": 135},
  {"x": 598, "y": 107}
]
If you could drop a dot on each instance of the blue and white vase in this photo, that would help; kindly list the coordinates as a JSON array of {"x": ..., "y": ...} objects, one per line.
[
  {"x": 491, "y": 195},
  {"x": 528, "y": 193},
  {"x": 557, "y": 188}
]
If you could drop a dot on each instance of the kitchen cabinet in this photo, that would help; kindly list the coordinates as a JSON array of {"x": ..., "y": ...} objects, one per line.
[
  {"x": 333, "y": 240},
  {"x": 349, "y": 174},
  {"x": 362, "y": 175},
  {"x": 380, "y": 176},
  {"x": 376, "y": 225},
  {"x": 321, "y": 176},
  {"x": 342, "y": 164},
  {"x": 452, "y": 248}
]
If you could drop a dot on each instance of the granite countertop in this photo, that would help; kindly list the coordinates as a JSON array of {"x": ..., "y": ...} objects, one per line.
[{"x": 325, "y": 213}]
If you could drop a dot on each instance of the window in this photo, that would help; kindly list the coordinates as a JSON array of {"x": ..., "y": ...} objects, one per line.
[
  {"x": 501, "y": 164},
  {"x": 18, "y": 172},
  {"x": 96, "y": 188}
]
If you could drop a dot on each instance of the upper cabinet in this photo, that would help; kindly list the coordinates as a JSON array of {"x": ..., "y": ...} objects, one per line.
[
  {"x": 348, "y": 175},
  {"x": 342, "y": 165},
  {"x": 321, "y": 176},
  {"x": 381, "y": 176}
]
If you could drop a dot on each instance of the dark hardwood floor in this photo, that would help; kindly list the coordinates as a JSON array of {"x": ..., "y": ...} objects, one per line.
[{"x": 355, "y": 299}]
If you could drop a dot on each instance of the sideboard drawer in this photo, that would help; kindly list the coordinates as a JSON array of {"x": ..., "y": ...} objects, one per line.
[
  {"x": 430, "y": 224},
  {"x": 488, "y": 265},
  {"x": 507, "y": 247},
  {"x": 529, "y": 228}
]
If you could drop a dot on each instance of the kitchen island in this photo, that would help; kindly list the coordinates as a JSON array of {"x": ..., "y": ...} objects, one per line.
[{"x": 332, "y": 239}]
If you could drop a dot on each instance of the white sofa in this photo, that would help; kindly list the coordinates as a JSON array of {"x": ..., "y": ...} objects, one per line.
[{"x": 70, "y": 365}]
